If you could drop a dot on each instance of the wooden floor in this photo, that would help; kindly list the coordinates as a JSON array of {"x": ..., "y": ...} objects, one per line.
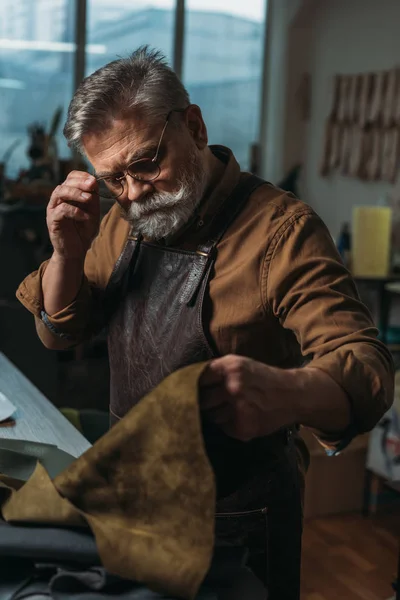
[{"x": 349, "y": 558}]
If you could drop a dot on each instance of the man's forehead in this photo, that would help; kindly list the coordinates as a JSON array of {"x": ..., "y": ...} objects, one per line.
[{"x": 114, "y": 148}]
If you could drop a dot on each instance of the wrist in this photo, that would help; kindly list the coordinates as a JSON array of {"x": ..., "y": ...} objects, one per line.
[
  {"x": 301, "y": 384},
  {"x": 317, "y": 401},
  {"x": 296, "y": 390},
  {"x": 61, "y": 282},
  {"x": 295, "y": 385},
  {"x": 67, "y": 262},
  {"x": 282, "y": 387}
]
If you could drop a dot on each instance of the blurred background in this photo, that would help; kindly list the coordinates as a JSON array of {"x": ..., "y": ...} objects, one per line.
[{"x": 307, "y": 95}]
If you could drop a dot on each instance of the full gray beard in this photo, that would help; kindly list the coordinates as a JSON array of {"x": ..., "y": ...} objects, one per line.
[{"x": 164, "y": 213}]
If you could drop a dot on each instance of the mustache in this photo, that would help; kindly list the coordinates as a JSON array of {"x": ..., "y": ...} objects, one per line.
[{"x": 155, "y": 202}]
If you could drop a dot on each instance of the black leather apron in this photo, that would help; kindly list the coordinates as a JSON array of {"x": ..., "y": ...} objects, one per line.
[{"x": 155, "y": 302}]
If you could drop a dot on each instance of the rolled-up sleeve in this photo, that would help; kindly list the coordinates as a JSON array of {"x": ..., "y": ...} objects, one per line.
[
  {"x": 312, "y": 294},
  {"x": 83, "y": 317},
  {"x": 68, "y": 327}
]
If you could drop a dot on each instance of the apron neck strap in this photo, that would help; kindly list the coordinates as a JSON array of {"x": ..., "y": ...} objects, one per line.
[{"x": 229, "y": 211}]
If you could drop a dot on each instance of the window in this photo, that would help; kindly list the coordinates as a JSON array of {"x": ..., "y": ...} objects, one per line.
[
  {"x": 223, "y": 61},
  {"x": 121, "y": 26},
  {"x": 36, "y": 73}
]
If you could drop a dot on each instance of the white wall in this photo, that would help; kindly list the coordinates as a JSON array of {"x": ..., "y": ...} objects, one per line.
[
  {"x": 298, "y": 58},
  {"x": 344, "y": 36}
]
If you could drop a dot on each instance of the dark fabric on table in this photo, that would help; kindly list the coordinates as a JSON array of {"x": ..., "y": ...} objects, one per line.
[
  {"x": 52, "y": 544},
  {"x": 42, "y": 581},
  {"x": 47, "y": 562}
]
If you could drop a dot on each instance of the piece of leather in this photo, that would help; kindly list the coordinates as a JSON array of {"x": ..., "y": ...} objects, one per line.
[
  {"x": 7, "y": 423},
  {"x": 147, "y": 492}
]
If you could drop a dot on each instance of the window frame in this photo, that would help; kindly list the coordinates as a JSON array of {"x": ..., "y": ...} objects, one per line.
[{"x": 178, "y": 58}]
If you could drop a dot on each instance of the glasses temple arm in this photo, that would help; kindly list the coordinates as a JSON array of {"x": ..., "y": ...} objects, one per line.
[{"x": 161, "y": 138}]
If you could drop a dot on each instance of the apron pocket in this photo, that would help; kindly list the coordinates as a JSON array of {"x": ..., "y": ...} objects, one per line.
[{"x": 248, "y": 529}]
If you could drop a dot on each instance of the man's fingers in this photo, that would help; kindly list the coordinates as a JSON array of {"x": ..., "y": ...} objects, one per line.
[
  {"x": 81, "y": 176},
  {"x": 67, "y": 192},
  {"x": 85, "y": 201},
  {"x": 78, "y": 186},
  {"x": 210, "y": 397},
  {"x": 215, "y": 372},
  {"x": 230, "y": 372},
  {"x": 210, "y": 377},
  {"x": 86, "y": 185},
  {"x": 67, "y": 211},
  {"x": 221, "y": 415}
]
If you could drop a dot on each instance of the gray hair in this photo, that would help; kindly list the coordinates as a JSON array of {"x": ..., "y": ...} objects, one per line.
[{"x": 142, "y": 82}]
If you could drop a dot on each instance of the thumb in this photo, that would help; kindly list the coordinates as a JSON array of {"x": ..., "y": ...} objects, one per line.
[{"x": 213, "y": 374}]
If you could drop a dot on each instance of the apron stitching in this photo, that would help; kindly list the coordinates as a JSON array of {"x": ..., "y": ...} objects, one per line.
[{"x": 113, "y": 413}]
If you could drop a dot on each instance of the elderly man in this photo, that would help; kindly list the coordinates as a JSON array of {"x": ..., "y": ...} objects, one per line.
[{"x": 199, "y": 261}]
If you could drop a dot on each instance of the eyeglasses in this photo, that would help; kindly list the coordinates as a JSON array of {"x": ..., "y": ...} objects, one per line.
[{"x": 144, "y": 169}]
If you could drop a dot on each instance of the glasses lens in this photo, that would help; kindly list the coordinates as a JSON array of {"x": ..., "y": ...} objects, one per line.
[
  {"x": 144, "y": 169},
  {"x": 110, "y": 187}
]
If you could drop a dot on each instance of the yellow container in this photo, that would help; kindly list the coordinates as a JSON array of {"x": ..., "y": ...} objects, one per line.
[{"x": 371, "y": 241}]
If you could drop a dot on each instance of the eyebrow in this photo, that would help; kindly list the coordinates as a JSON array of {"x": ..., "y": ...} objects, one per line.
[{"x": 144, "y": 152}]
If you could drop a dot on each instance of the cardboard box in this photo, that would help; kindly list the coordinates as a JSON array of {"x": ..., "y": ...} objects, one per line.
[
  {"x": 335, "y": 484},
  {"x": 384, "y": 444}
]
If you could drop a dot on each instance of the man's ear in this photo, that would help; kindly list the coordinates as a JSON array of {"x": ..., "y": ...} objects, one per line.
[{"x": 196, "y": 126}]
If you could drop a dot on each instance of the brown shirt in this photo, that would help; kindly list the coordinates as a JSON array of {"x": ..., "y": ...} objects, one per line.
[{"x": 278, "y": 277}]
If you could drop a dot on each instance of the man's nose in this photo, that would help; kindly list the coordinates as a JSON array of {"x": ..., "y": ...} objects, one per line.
[{"x": 136, "y": 190}]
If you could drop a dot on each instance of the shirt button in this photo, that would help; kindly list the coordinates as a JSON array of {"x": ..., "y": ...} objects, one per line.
[{"x": 200, "y": 223}]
